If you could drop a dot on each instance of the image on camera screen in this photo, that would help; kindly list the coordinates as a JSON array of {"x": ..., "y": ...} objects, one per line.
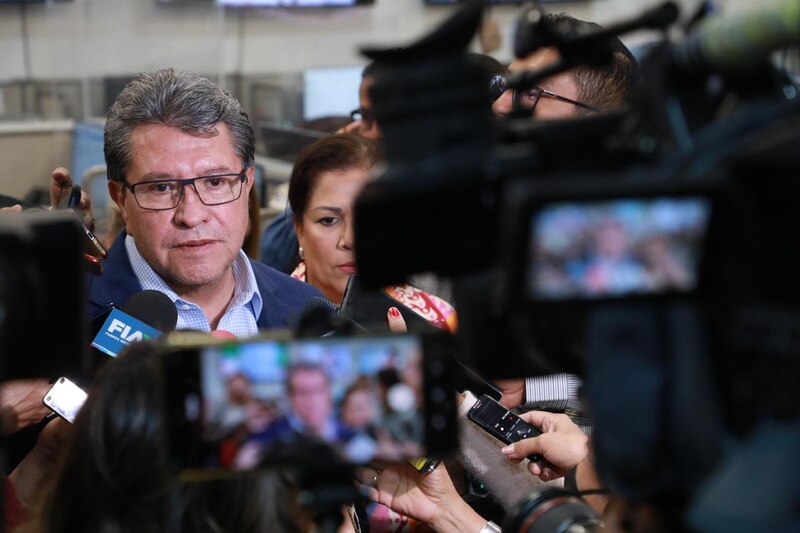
[
  {"x": 616, "y": 248},
  {"x": 362, "y": 396}
]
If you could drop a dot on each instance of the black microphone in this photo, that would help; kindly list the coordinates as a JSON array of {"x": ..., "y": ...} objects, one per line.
[
  {"x": 317, "y": 318},
  {"x": 146, "y": 314},
  {"x": 738, "y": 43},
  {"x": 154, "y": 308},
  {"x": 320, "y": 318}
]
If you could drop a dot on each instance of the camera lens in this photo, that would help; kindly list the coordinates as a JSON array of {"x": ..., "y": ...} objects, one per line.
[{"x": 552, "y": 510}]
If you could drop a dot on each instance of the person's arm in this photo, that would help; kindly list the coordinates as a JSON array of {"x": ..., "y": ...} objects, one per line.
[
  {"x": 21, "y": 403},
  {"x": 552, "y": 392},
  {"x": 35, "y": 469},
  {"x": 430, "y": 498}
]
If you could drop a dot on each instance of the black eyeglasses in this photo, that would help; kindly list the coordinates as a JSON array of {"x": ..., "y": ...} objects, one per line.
[
  {"x": 363, "y": 114},
  {"x": 160, "y": 195},
  {"x": 526, "y": 100}
]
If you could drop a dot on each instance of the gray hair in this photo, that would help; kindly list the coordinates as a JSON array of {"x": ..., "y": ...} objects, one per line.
[{"x": 181, "y": 100}]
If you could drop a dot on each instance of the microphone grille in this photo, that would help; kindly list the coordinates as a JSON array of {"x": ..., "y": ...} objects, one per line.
[
  {"x": 318, "y": 303},
  {"x": 154, "y": 308}
]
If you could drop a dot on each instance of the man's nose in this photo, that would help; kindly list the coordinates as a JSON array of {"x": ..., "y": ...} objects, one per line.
[
  {"x": 503, "y": 105},
  {"x": 190, "y": 211},
  {"x": 346, "y": 236}
]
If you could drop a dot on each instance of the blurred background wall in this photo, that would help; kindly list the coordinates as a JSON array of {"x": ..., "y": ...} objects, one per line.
[{"x": 62, "y": 63}]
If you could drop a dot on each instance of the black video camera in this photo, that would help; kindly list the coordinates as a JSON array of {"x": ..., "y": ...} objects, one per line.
[{"x": 41, "y": 296}]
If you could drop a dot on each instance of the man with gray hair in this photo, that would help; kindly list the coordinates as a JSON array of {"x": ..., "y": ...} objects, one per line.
[{"x": 179, "y": 152}]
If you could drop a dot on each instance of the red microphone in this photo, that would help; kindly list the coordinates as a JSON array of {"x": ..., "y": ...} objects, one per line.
[{"x": 222, "y": 334}]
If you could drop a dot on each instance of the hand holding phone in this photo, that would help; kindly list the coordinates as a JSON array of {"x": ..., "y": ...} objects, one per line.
[
  {"x": 563, "y": 445},
  {"x": 501, "y": 423},
  {"x": 69, "y": 196}
]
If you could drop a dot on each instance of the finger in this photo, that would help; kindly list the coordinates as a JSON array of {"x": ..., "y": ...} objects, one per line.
[
  {"x": 353, "y": 127},
  {"x": 86, "y": 210},
  {"x": 522, "y": 449},
  {"x": 86, "y": 200},
  {"x": 59, "y": 178},
  {"x": 396, "y": 322},
  {"x": 14, "y": 209},
  {"x": 512, "y": 454},
  {"x": 540, "y": 419},
  {"x": 534, "y": 468}
]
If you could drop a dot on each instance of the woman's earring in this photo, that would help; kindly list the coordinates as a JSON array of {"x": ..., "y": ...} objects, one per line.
[{"x": 301, "y": 253}]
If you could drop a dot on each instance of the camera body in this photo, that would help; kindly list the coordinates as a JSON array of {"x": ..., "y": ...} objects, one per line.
[
  {"x": 41, "y": 296},
  {"x": 684, "y": 340}
]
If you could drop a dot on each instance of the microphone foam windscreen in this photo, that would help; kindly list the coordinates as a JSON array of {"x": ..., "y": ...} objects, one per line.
[
  {"x": 154, "y": 308},
  {"x": 317, "y": 318},
  {"x": 317, "y": 303}
]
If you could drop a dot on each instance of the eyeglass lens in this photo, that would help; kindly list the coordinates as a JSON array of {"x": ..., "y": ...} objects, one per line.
[{"x": 212, "y": 190}]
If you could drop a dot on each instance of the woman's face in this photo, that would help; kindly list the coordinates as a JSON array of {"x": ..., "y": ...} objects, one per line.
[
  {"x": 359, "y": 409},
  {"x": 326, "y": 231}
]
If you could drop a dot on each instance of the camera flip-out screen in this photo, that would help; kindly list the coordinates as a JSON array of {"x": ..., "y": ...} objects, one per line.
[{"x": 616, "y": 248}]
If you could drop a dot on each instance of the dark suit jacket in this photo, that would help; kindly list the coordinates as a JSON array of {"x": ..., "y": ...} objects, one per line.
[{"x": 283, "y": 296}]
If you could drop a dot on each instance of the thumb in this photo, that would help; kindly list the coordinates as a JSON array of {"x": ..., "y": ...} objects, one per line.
[{"x": 522, "y": 449}]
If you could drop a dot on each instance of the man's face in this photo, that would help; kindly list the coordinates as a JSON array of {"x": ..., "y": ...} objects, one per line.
[
  {"x": 369, "y": 128},
  {"x": 561, "y": 84},
  {"x": 193, "y": 245},
  {"x": 310, "y": 397}
]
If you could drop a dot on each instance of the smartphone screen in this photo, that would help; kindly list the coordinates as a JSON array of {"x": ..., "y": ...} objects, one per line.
[{"x": 370, "y": 398}]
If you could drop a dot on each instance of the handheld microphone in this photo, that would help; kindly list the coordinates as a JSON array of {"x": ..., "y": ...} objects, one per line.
[
  {"x": 147, "y": 314},
  {"x": 320, "y": 318},
  {"x": 223, "y": 335},
  {"x": 737, "y": 43}
]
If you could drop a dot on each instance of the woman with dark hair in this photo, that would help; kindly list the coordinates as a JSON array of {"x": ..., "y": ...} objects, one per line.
[
  {"x": 114, "y": 475},
  {"x": 325, "y": 180}
]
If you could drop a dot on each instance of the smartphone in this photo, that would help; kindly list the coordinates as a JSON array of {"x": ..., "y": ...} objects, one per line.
[
  {"x": 90, "y": 244},
  {"x": 368, "y": 309},
  {"x": 69, "y": 196},
  {"x": 243, "y": 405},
  {"x": 65, "y": 398},
  {"x": 92, "y": 265},
  {"x": 501, "y": 423}
]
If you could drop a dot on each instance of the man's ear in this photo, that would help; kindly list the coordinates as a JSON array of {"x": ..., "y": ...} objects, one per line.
[
  {"x": 251, "y": 178},
  {"x": 118, "y": 194}
]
